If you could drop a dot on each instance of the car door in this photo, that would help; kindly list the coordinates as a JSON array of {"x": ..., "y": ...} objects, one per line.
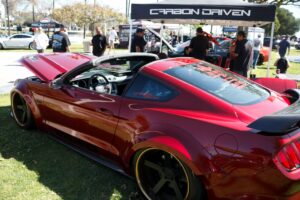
[
  {"x": 12, "y": 42},
  {"x": 89, "y": 115},
  {"x": 24, "y": 41}
]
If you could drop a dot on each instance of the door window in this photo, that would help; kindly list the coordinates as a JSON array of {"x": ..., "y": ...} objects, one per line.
[{"x": 147, "y": 88}]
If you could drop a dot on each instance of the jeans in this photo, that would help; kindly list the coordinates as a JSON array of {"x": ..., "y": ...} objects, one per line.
[{"x": 255, "y": 57}]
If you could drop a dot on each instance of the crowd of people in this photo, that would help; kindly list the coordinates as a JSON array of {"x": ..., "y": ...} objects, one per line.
[{"x": 243, "y": 53}]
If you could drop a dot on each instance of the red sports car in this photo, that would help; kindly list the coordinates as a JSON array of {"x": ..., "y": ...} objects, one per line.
[{"x": 184, "y": 128}]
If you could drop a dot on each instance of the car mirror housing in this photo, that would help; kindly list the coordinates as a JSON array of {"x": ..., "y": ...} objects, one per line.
[{"x": 56, "y": 83}]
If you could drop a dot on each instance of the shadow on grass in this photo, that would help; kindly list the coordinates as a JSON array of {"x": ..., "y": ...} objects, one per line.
[{"x": 68, "y": 174}]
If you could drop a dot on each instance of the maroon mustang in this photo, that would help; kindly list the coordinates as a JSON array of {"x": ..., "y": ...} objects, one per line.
[{"x": 184, "y": 128}]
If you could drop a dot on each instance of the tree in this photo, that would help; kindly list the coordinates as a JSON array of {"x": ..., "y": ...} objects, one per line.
[
  {"x": 285, "y": 23},
  {"x": 278, "y": 3},
  {"x": 289, "y": 25},
  {"x": 81, "y": 14}
]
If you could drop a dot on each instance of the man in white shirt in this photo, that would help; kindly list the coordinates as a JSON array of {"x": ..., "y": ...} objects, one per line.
[
  {"x": 112, "y": 36},
  {"x": 256, "y": 49},
  {"x": 40, "y": 40}
]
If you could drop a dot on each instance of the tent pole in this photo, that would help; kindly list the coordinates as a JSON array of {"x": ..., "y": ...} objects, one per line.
[
  {"x": 270, "y": 50},
  {"x": 129, "y": 35},
  {"x": 162, "y": 35}
]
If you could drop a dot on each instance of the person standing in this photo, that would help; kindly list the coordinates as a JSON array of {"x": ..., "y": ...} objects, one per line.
[
  {"x": 99, "y": 43},
  {"x": 60, "y": 41},
  {"x": 138, "y": 42},
  {"x": 41, "y": 40},
  {"x": 256, "y": 49},
  {"x": 199, "y": 45},
  {"x": 112, "y": 36},
  {"x": 243, "y": 56},
  {"x": 283, "y": 46}
]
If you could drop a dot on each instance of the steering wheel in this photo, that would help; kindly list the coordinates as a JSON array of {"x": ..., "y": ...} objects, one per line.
[{"x": 100, "y": 86}]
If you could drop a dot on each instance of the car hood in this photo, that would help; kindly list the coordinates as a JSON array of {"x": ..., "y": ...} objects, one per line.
[{"x": 49, "y": 66}]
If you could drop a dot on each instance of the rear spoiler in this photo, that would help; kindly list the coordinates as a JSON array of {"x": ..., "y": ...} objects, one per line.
[{"x": 283, "y": 121}]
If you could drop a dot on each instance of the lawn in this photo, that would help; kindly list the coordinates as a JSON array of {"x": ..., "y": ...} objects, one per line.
[
  {"x": 293, "y": 69},
  {"x": 35, "y": 167}
]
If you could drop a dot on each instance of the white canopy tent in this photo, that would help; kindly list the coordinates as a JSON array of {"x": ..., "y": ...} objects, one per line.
[{"x": 229, "y": 12}]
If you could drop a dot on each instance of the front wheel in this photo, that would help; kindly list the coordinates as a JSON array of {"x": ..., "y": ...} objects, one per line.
[
  {"x": 21, "y": 111},
  {"x": 160, "y": 175},
  {"x": 1, "y": 46}
]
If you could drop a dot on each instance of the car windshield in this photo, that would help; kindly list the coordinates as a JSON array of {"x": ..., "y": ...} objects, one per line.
[
  {"x": 221, "y": 83},
  {"x": 182, "y": 46}
]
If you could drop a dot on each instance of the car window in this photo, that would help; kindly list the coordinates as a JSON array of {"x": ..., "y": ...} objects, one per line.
[
  {"x": 225, "y": 44},
  {"x": 221, "y": 83},
  {"x": 25, "y": 36},
  {"x": 147, "y": 88},
  {"x": 15, "y": 36}
]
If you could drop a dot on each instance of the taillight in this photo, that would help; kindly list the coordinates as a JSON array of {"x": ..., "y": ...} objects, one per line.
[{"x": 288, "y": 160}]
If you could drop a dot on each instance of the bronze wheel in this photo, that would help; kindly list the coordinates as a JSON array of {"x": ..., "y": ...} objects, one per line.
[
  {"x": 21, "y": 112},
  {"x": 160, "y": 175}
]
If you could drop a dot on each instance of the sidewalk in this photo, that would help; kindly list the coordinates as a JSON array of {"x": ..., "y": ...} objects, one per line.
[{"x": 11, "y": 69}]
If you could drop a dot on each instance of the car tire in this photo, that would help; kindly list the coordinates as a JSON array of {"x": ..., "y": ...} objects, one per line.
[
  {"x": 161, "y": 175},
  {"x": 21, "y": 111},
  {"x": 1, "y": 46},
  {"x": 31, "y": 46}
]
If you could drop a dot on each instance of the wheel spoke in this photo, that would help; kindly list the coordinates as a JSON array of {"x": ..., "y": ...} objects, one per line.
[
  {"x": 154, "y": 166},
  {"x": 159, "y": 185},
  {"x": 19, "y": 107},
  {"x": 176, "y": 189},
  {"x": 23, "y": 118}
]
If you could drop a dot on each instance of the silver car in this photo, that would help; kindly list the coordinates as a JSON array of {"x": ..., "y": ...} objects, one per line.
[{"x": 17, "y": 41}]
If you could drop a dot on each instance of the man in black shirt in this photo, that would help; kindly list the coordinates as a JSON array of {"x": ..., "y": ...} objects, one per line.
[
  {"x": 60, "y": 41},
  {"x": 138, "y": 42},
  {"x": 99, "y": 43},
  {"x": 243, "y": 55},
  {"x": 199, "y": 45}
]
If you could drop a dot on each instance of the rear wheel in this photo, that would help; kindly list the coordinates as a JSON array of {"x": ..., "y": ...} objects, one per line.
[
  {"x": 31, "y": 46},
  {"x": 21, "y": 112},
  {"x": 1, "y": 46},
  {"x": 161, "y": 175}
]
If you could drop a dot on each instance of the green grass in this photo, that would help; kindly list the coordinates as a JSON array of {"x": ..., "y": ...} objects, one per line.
[
  {"x": 293, "y": 69},
  {"x": 35, "y": 167}
]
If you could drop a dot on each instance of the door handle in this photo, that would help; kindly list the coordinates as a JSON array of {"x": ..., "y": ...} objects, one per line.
[
  {"x": 105, "y": 111},
  {"x": 136, "y": 106}
]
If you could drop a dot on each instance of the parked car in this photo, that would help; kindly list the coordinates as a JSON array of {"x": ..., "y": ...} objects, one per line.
[
  {"x": 221, "y": 50},
  {"x": 297, "y": 45},
  {"x": 275, "y": 44},
  {"x": 17, "y": 41},
  {"x": 184, "y": 128}
]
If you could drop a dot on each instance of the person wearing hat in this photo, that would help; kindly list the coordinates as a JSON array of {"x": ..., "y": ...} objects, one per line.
[
  {"x": 199, "y": 45},
  {"x": 138, "y": 42},
  {"x": 60, "y": 41},
  {"x": 40, "y": 40}
]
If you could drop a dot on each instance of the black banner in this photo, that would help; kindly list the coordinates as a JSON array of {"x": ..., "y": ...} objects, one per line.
[{"x": 265, "y": 13}]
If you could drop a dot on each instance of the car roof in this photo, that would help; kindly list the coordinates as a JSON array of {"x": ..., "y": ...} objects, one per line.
[
  {"x": 22, "y": 34},
  {"x": 162, "y": 65}
]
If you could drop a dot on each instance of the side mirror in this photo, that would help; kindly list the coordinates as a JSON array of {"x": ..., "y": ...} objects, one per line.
[{"x": 56, "y": 84}]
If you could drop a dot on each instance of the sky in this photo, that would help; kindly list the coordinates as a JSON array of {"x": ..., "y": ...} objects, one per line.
[{"x": 120, "y": 5}]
